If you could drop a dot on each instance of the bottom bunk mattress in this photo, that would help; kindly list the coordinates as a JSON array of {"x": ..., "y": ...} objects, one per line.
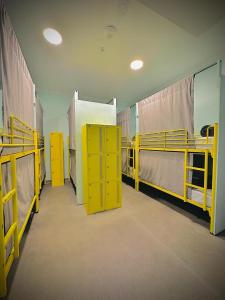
[{"x": 198, "y": 196}]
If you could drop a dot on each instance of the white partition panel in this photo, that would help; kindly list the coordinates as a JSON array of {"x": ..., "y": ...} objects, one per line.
[
  {"x": 94, "y": 113},
  {"x": 209, "y": 107},
  {"x": 220, "y": 192},
  {"x": 206, "y": 97}
]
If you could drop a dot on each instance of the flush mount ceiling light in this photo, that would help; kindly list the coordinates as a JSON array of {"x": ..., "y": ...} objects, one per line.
[
  {"x": 136, "y": 64},
  {"x": 52, "y": 36}
]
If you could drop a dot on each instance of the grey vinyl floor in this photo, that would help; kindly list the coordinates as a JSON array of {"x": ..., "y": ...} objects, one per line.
[{"x": 144, "y": 250}]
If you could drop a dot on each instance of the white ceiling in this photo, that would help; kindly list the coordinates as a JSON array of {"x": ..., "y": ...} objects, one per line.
[{"x": 101, "y": 37}]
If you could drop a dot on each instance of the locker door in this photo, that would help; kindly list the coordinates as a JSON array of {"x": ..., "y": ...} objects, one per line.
[
  {"x": 57, "y": 158},
  {"x": 113, "y": 168},
  {"x": 93, "y": 168}
]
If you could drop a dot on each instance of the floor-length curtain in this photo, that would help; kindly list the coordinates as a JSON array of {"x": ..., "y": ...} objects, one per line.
[
  {"x": 39, "y": 116},
  {"x": 123, "y": 120},
  {"x": 18, "y": 97},
  {"x": 171, "y": 108}
]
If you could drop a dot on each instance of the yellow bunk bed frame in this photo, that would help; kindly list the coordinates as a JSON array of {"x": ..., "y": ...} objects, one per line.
[
  {"x": 24, "y": 137},
  {"x": 178, "y": 141}
]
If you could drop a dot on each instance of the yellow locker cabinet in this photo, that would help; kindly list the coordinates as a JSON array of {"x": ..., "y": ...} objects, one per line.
[
  {"x": 57, "y": 158},
  {"x": 101, "y": 161}
]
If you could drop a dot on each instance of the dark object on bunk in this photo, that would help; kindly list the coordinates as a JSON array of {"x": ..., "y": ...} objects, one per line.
[
  {"x": 204, "y": 130},
  {"x": 198, "y": 176}
]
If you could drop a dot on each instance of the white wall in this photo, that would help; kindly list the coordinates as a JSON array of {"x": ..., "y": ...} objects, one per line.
[
  {"x": 55, "y": 108},
  {"x": 220, "y": 193},
  {"x": 209, "y": 107},
  {"x": 206, "y": 97},
  {"x": 92, "y": 113}
]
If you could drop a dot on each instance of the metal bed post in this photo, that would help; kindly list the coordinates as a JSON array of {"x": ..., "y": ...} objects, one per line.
[
  {"x": 214, "y": 174},
  {"x": 44, "y": 139},
  {"x": 137, "y": 140},
  {"x": 3, "y": 288},
  {"x": 39, "y": 154},
  {"x": 185, "y": 174},
  {"x": 68, "y": 144},
  {"x": 40, "y": 169},
  {"x": 205, "y": 179},
  {"x": 15, "y": 206},
  {"x": 36, "y": 170}
]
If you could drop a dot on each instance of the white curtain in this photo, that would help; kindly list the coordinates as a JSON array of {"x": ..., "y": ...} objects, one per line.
[
  {"x": 171, "y": 108},
  {"x": 123, "y": 120},
  {"x": 16, "y": 80},
  {"x": 18, "y": 99},
  {"x": 39, "y": 114}
]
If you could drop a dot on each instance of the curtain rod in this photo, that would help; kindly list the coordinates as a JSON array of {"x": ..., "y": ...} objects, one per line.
[{"x": 206, "y": 68}]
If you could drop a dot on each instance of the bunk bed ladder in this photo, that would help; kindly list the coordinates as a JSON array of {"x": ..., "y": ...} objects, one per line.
[
  {"x": 187, "y": 184},
  {"x": 128, "y": 161}
]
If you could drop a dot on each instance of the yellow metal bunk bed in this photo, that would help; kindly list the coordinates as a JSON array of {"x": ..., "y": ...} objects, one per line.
[
  {"x": 26, "y": 141},
  {"x": 179, "y": 141}
]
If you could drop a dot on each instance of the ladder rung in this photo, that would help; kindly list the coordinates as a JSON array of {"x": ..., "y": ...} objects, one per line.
[
  {"x": 194, "y": 202},
  {"x": 8, "y": 196},
  {"x": 9, "y": 234},
  {"x": 194, "y": 186},
  {"x": 195, "y": 168}
]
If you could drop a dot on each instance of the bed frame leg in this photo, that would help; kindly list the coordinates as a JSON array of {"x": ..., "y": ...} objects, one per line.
[
  {"x": 137, "y": 185},
  {"x": 36, "y": 172},
  {"x": 3, "y": 288}
]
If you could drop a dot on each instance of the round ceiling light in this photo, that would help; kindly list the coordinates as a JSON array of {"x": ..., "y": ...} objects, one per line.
[
  {"x": 136, "y": 64},
  {"x": 52, "y": 36}
]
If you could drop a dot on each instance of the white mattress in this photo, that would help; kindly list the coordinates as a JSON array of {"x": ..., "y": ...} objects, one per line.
[
  {"x": 197, "y": 196},
  {"x": 201, "y": 143}
]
